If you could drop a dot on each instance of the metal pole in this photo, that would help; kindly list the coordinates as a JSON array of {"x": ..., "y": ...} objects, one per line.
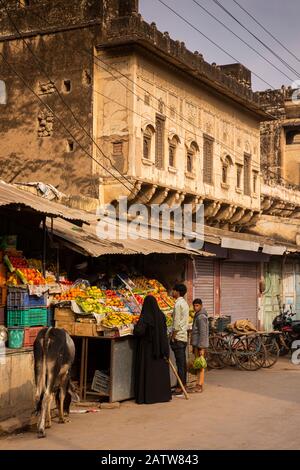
[{"x": 44, "y": 246}]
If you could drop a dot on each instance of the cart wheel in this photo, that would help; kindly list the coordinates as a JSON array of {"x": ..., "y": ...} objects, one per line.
[
  {"x": 229, "y": 357},
  {"x": 272, "y": 350},
  {"x": 253, "y": 354},
  {"x": 215, "y": 353}
]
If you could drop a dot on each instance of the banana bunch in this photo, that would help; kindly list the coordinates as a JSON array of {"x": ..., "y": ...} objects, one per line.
[{"x": 116, "y": 320}]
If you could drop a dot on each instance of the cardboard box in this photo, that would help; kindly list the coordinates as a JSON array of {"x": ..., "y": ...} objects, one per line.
[
  {"x": 3, "y": 296},
  {"x": 64, "y": 314},
  {"x": 85, "y": 329},
  {"x": 2, "y": 316},
  {"x": 66, "y": 325},
  {"x": 118, "y": 332}
]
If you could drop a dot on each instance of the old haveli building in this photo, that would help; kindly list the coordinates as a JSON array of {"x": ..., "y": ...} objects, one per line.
[
  {"x": 178, "y": 128},
  {"x": 131, "y": 112}
]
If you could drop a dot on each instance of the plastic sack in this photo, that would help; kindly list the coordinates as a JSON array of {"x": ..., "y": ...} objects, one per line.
[
  {"x": 81, "y": 283},
  {"x": 200, "y": 363}
]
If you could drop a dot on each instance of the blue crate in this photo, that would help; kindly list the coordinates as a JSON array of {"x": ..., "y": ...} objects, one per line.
[{"x": 18, "y": 298}]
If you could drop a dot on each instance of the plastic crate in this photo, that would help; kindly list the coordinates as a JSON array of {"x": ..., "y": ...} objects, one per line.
[
  {"x": 50, "y": 316},
  {"x": 15, "y": 338},
  {"x": 101, "y": 382},
  {"x": 30, "y": 334},
  {"x": 222, "y": 322},
  {"x": 27, "y": 317},
  {"x": 19, "y": 298}
]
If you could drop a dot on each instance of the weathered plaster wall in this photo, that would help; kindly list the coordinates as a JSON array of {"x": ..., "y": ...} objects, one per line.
[
  {"x": 34, "y": 143},
  {"x": 30, "y": 151},
  {"x": 16, "y": 384}
]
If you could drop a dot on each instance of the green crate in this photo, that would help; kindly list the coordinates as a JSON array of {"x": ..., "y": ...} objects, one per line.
[{"x": 27, "y": 317}]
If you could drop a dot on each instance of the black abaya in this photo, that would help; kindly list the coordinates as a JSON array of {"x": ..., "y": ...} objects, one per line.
[{"x": 152, "y": 374}]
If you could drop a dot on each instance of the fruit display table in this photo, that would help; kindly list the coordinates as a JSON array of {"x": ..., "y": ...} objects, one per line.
[{"x": 121, "y": 370}]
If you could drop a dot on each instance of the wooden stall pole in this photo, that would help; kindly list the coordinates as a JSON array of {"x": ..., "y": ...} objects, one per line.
[{"x": 178, "y": 378}]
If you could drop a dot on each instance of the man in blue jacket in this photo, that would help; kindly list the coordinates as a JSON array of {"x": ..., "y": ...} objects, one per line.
[{"x": 199, "y": 339}]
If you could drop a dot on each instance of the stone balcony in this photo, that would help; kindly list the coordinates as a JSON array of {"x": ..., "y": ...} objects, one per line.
[
  {"x": 134, "y": 30},
  {"x": 280, "y": 199}
]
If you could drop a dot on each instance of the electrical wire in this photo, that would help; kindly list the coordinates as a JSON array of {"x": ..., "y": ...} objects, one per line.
[
  {"x": 283, "y": 61},
  {"x": 141, "y": 98},
  {"x": 266, "y": 30},
  {"x": 210, "y": 40},
  {"x": 64, "y": 101},
  {"x": 241, "y": 39},
  {"x": 54, "y": 114}
]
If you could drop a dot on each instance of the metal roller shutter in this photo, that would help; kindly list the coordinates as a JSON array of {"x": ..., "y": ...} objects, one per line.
[
  {"x": 239, "y": 290},
  {"x": 204, "y": 283}
]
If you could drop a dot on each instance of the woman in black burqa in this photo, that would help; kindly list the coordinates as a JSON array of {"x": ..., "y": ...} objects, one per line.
[{"x": 152, "y": 374}]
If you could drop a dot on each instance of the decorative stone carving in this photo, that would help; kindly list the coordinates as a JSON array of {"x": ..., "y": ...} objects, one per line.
[
  {"x": 46, "y": 88},
  {"x": 45, "y": 122}
]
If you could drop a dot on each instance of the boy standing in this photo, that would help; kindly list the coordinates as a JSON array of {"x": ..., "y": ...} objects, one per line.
[
  {"x": 199, "y": 339},
  {"x": 179, "y": 332}
]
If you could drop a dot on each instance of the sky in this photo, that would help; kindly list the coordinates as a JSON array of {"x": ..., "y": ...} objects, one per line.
[{"x": 279, "y": 17}]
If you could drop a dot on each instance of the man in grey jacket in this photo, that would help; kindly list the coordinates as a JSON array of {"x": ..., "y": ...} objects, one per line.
[{"x": 199, "y": 339}]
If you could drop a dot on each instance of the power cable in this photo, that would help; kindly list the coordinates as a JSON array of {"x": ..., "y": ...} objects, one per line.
[
  {"x": 241, "y": 39},
  {"x": 54, "y": 114},
  {"x": 152, "y": 95},
  {"x": 211, "y": 41},
  {"x": 63, "y": 100},
  {"x": 266, "y": 30},
  {"x": 284, "y": 62}
]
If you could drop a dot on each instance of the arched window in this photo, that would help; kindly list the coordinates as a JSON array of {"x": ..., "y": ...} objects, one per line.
[
  {"x": 293, "y": 137},
  {"x": 173, "y": 143},
  {"x": 147, "y": 140},
  {"x": 190, "y": 157},
  {"x": 3, "y": 94},
  {"x": 226, "y": 163}
]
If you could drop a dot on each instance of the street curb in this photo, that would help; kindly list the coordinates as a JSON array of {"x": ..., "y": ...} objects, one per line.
[{"x": 17, "y": 423}]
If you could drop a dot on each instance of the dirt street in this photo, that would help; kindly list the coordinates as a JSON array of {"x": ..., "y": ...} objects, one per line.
[{"x": 238, "y": 410}]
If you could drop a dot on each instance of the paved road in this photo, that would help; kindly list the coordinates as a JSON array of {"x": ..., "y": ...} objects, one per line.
[{"x": 238, "y": 410}]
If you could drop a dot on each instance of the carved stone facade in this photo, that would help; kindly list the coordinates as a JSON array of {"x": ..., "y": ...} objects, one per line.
[
  {"x": 280, "y": 153},
  {"x": 191, "y": 115},
  {"x": 167, "y": 126}
]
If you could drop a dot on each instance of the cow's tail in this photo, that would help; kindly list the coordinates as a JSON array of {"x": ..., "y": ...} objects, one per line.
[
  {"x": 43, "y": 372},
  {"x": 45, "y": 355}
]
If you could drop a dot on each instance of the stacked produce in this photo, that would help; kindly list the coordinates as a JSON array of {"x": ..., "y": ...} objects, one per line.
[
  {"x": 117, "y": 308},
  {"x": 117, "y": 320},
  {"x": 70, "y": 294},
  {"x": 20, "y": 273},
  {"x": 31, "y": 276}
]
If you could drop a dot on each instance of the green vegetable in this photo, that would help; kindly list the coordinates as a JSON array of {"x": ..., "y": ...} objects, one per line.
[
  {"x": 21, "y": 276},
  {"x": 8, "y": 263},
  {"x": 200, "y": 363}
]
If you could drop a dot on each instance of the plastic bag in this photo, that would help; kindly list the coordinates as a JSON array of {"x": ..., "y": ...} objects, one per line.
[{"x": 200, "y": 363}]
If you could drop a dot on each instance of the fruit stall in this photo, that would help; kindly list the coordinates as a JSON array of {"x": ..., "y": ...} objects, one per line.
[
  {"x": 105, "y": 318},
  {"x": 39, "y": 286},
  {"x": 99, "y": 318}
]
